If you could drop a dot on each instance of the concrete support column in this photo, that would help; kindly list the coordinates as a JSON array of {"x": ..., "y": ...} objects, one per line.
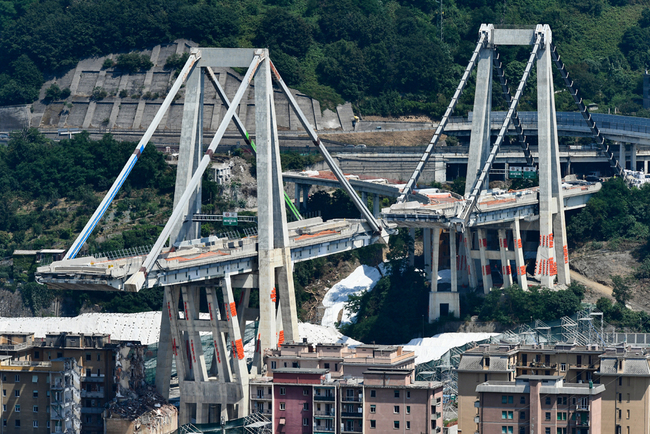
[
  {"x": 412, "y": 248},
  {"x": 364, "y": 199},
  {"x": 472, "y": 274},
  {"x": 633, "y": 157},
  {"x": 519, "y": 255},
  {"x": 452, "y": 259},
  {"x": 645, "y": 166},
  {"x": 505, "y": 263},
  {"x": 621, "y": 155},
  {"x": 485, "y": 263},
  {"x": 435, "y": 259},
  {"x": 296, "y": 196},
  {"x": 305, "y": 197},
  {"x": 426, "y": 245},
  {"x": 376, "y": 206}
]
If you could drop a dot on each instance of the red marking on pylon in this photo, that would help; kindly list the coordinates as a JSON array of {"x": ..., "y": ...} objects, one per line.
[{"x": 233, "y": 309}]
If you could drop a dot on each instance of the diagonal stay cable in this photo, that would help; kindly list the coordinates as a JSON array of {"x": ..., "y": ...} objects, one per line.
[
  {"x": 443, "y": 122},
  {"x": 472, "y": 200}
]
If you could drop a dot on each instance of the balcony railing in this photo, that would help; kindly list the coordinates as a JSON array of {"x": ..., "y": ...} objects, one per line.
[
  {"x": 323, "y": 398},
  {"x": 323, "y": 429},
  {"x": 325, "y": 413},
  {"x": 582, "y": 407},
  {"x": 352, "y": 399},
  {"x": 346, "y": 430},
  {"x": 351, "y": 414}
]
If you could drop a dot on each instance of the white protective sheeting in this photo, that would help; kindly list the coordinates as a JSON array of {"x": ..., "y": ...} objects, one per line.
[
  {"x": 143, "y": 327},
  {"x": 364, "y": 278},
  {"x": 433, "y": 348}
]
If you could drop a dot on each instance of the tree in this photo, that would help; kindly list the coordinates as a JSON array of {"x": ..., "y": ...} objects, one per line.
[{"x": 621, "y": 290}]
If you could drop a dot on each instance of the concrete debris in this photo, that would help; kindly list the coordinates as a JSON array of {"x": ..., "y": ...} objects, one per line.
[{"x": 147, "y": 403}]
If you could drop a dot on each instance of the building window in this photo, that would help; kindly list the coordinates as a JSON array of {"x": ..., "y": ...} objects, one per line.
[
  {"x": 282, "y": 406},
  {"x": 522, "y": 415},
  {"x": 48, "y": 424},
  {"x": 561, "y": 431},
  {"x": 4, "y": 407},
  {"x": 17, "y": 393},
  {"x": 373, "y": 423},
  {"x": 628, "y": 414},
  {"x": 336, "y": 367},
  {"x": 408, "y": 410},
  {"x": 305, "y": 392},
  {"x": 396, "y": 394},
  {"x": 522, "y": 400},
  {"x": 396, "y": 424},
  {"x": 17, "y": 378},
  {"x": 373, "y": 393},
  {"x": 506, "y": 399},
  {"x": 273, "y": 365},
  {"x": 17, "y": 408},
  {"x": 99, "y": 357},
  {"x": 396, "y": 409},
  {"x": 326, "y": 365},
  {"x": 620, "y": 397},
  {"x": 373, "y": 409},
  {"x": 507, "y": 414},
  {"x": 548, "y": 415},
  {"x": 563, "y": 367},
  {"x": 283, "y": 390},
  {"x": 548, "y": 400},
  {"x": 17, "y": 423},
  {"x": 88, "y": 357},
  {"x": 408, "y": 395},
  {"x": 35, "y": 394},
  {"x": 547, "y": 430},
  {"x": 88, "y": 372},
  {"x": 506, "y": 430},
  {"x": 408, "y": 424},
  {"x": 305, "y": 406},
  {"x": 561, "y": 415},
  {"x": 35, "y": 409},
  {"x": 305, "y": 421},
  {"x": 522, "y": 430},
  {"x": 4, "y": 392},
  {"x": 35, "y": 424},
  {"x": 34, "y": 378},
  {"x": 295, "y": 365}
]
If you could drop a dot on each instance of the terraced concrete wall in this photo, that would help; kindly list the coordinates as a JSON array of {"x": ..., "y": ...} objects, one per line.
[{"x": 134, "y": 113}]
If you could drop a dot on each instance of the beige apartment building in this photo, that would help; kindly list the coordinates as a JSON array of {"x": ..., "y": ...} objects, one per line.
[
  {"x": 371, "y": 388},
  {"x": 339, "y": 359},
  {"x": 622, "y": 371}
]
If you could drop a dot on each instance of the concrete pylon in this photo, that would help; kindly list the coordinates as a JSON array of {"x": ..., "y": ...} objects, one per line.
[
  {"x": 274, "y": 263},
  {"x": 479, "y": 144},
  {"x": 552, "y": 227}
]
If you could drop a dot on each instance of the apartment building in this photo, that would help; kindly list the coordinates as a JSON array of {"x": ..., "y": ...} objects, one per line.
[
  {"x": 623, "y": 372},
  {"x": 339, "y": 359},
  {"x": 542, "y": 404},
  {"x": 40, "y": 396},
  {"x": 302, "y": 398},
  {"x": 31, "y": 362}
]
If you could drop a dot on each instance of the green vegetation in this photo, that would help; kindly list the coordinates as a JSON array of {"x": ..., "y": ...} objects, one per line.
[{"x": 387, "y": 57}]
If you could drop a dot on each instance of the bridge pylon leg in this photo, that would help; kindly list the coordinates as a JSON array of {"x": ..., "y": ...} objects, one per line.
[
  {"x": 505, "y": 263},
  {"x": 552, "y": 238}
]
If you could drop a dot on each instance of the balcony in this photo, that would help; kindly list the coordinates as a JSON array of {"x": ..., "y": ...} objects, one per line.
[
  {"x": 93, "y": 379},
  {"x": 325, "y": 413},
  {"x": 92, "y": 410},
  {"x": 582, "y": 407},
  {"x": 262, "y": 397},
  {"x": 323, "y": 429},
  {"x": 324, "y": 398},
  {"x": 356, "y": 414},
  {"x": 352, "y": 398},
  {"x": 92, "y": 394},
  {"x": 346, "y": 430}
]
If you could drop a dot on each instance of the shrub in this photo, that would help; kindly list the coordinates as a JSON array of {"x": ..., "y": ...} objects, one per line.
[
  {"x": 124, "y": 93},
  {"x": 53, "y": 92},
  {"x": 134, "y": 62},
  {"x": 108, "y": 63},
  {"x": 99, "y": 93}
]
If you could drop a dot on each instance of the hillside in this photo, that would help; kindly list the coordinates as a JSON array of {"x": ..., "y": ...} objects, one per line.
[{"x": 387, "y": 57}]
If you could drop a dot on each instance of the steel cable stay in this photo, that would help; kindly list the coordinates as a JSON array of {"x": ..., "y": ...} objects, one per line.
[
  {"x": 525, "y": 147},
  {"x": 613, "y": 162},
  {"x": 443, "y": 122},
  {"x": 242, "y": 130},
  {"x": 126, "y": 170},
  {"x": 472, "y": 200}
]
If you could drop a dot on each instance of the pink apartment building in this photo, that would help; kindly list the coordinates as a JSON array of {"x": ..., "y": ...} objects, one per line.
[{"x": 538, "y": 404}]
